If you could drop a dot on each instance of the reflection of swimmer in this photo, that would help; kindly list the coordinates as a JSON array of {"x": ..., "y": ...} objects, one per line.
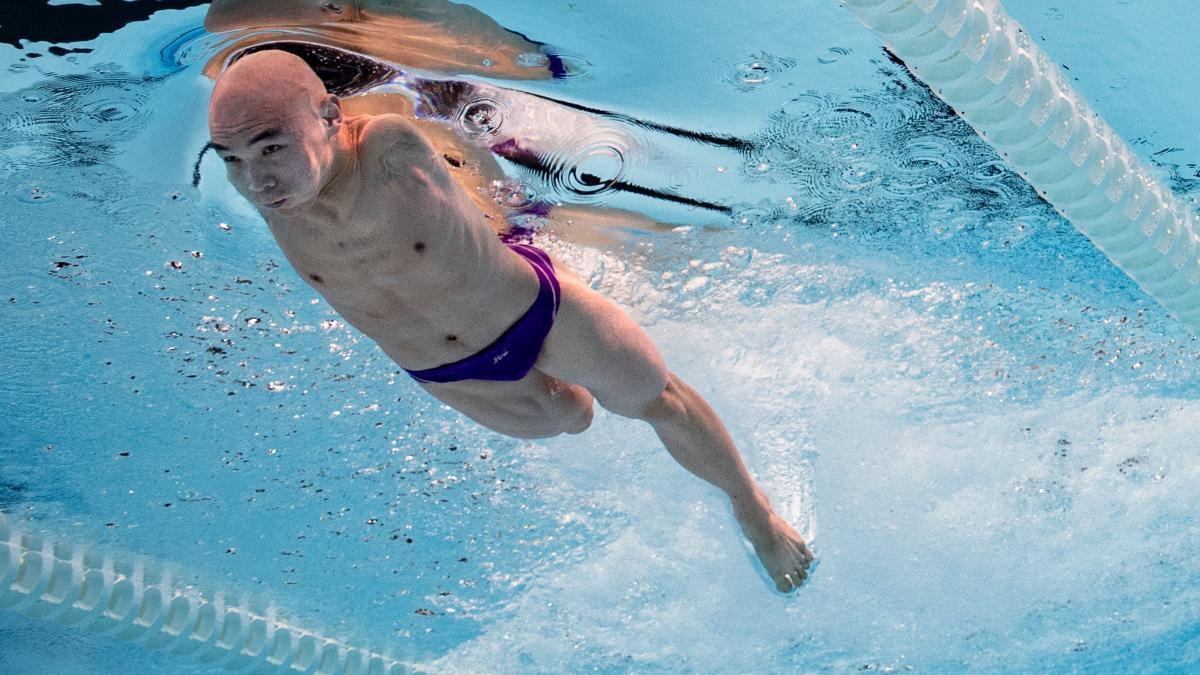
[
  {"x": 425, "y": 34},
  {"x": 368, "y": 214}
]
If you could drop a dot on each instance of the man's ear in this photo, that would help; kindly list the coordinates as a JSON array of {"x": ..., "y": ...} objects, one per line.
[{"x": 331, "y": 114}]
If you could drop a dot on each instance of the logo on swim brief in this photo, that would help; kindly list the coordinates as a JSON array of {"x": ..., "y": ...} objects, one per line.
[{"x": 499, "y": 357}]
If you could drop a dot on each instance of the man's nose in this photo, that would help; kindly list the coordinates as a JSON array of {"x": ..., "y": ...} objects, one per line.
[{"x": 260, "y": 181}]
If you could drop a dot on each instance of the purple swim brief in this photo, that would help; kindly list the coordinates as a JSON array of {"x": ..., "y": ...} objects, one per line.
[{"x": 511, "y": 356}]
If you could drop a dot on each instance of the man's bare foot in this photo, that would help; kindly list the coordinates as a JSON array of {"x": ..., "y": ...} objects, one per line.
[{"x": 779, "y": 547}]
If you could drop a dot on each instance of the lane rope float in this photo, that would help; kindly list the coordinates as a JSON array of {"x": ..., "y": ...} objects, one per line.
[
  {"x": 141, "y": 601},
  {"x": 983, "y": 64}
]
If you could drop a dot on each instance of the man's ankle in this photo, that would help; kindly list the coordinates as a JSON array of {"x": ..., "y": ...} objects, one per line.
[{"x": 753, "y": 507}]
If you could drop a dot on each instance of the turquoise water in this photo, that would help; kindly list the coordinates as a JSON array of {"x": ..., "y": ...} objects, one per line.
[{"x": 986, "y": 426}]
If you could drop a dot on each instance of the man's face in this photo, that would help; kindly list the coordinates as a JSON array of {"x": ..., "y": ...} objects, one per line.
[{"x": 276, "y": 160}]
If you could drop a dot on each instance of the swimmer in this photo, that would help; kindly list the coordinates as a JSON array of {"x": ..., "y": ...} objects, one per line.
[{"x": 368, "y": 215}]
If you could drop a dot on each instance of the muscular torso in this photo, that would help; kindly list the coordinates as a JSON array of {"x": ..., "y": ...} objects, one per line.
[{"x": 400, "y": 252}]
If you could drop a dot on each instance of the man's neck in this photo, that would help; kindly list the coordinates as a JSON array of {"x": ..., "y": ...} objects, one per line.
[{"x": 343, "y": 164}]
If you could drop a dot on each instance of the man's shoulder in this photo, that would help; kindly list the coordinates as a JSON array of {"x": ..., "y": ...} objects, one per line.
[
  {"x": 391, "y": 139},
  {"x": 382, "y": 132}
]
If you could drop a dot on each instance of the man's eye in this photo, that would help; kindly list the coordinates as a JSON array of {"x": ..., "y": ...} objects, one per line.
[
  {"x": 229, "y": 159},
  {"x": 272, "y": 149},
  {"x": 332, "y": 7}
]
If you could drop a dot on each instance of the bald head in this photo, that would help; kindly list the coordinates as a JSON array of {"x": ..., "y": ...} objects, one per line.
[
  {"x": 276, "y": 128},
  {"x": 270, "y": 82}
]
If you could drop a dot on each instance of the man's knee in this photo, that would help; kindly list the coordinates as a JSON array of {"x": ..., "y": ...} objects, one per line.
[
  {"x": 579, "y": 423},
  {"x": 651, "y": 404},
  {"x": 572, "y": 416},
  {"x": 669, "y": 404},
  {"x": 573, "y": 408},
  {"x": 575, "y": 423}
]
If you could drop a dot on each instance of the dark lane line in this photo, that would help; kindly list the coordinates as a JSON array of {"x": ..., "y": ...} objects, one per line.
[{"x": 36, "y": 21}]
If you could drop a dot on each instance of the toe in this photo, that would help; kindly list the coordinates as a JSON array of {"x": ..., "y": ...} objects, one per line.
[{"x": 785, "y": 584}]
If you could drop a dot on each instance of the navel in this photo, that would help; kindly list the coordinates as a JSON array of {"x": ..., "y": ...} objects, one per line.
[
  {"x": 317, "y": 278},
  {"x": 341, "y": 244},
  {"x": 419, "y": 246},
  {"x": 452, "y": 338}
]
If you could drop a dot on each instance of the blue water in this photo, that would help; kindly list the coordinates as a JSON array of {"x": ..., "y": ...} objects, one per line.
[{"x": 988, "y": 428}]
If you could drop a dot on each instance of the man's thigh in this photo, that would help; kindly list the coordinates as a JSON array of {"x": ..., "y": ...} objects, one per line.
[
  {"x": 537, "y": 406},
  {"x": 596, "y": 344}
]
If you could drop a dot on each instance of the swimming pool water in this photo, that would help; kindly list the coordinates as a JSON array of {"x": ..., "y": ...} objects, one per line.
[{"x": 986, "y": 425}]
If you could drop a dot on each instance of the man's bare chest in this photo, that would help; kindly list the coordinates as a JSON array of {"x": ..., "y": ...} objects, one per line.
[{"x": 355, "y": 261}]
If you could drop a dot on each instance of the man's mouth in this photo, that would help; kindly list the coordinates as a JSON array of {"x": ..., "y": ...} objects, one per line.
[{"x": 276, "y": 204}]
